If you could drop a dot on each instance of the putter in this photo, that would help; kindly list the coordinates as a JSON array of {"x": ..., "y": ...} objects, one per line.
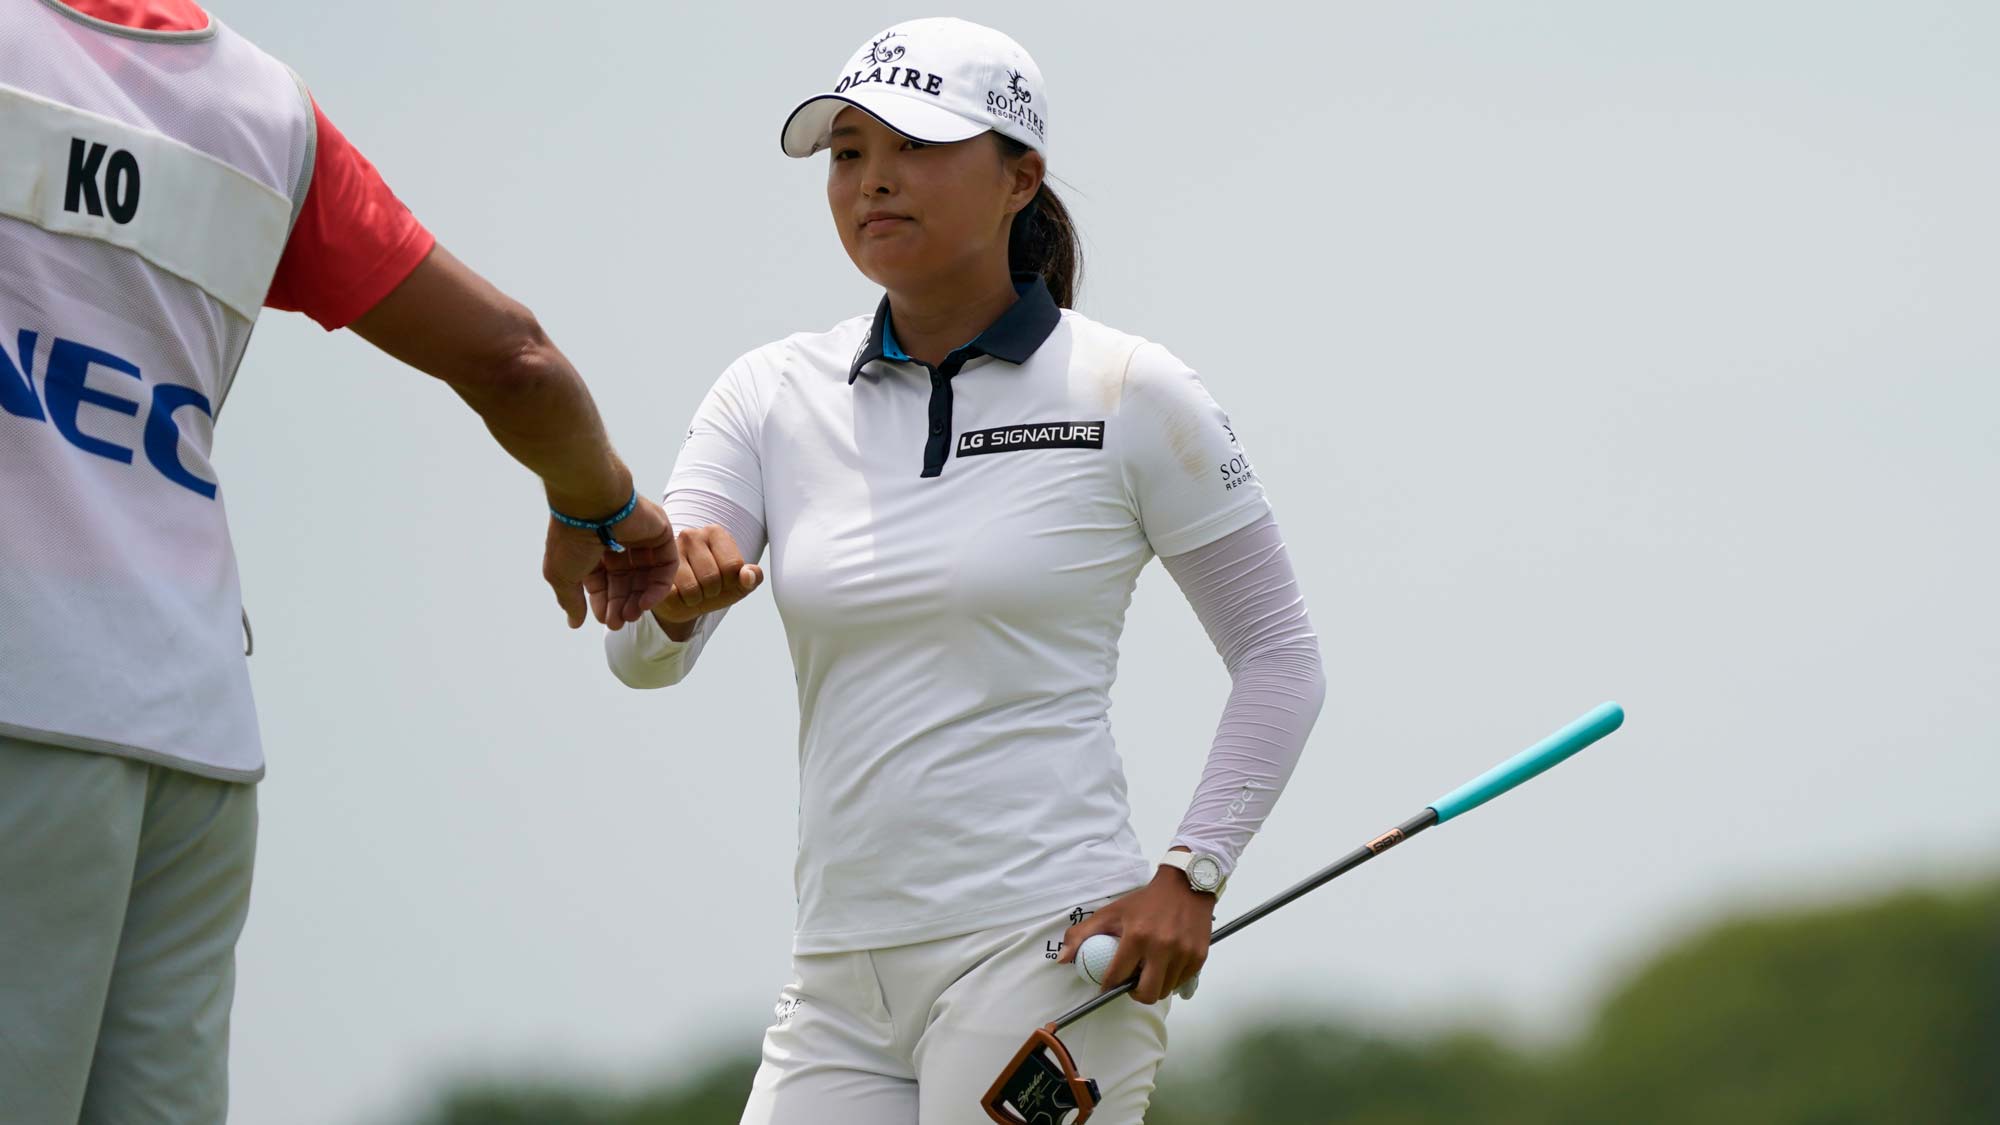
[{"x": 1042, "y": 1086}]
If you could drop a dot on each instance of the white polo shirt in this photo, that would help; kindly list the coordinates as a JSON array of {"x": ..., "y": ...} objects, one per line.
[{"x": 952, "y": 552}]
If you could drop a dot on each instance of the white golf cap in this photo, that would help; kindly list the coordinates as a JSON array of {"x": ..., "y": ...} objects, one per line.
[{"x": 934, "y": 80}]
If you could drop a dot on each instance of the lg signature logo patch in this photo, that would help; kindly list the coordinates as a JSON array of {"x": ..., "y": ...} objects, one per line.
[{"x": 1036, "y": 435}]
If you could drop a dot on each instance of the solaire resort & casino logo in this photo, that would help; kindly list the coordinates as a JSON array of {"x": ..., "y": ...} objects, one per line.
[{"x": 1013, "y": 104}]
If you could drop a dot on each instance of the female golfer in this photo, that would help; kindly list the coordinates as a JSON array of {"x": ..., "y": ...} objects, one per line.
[{"x": 958, "y": 494}]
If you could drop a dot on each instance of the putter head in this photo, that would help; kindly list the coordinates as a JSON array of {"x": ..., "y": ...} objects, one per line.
[{"x": 1041, "y": 1086}]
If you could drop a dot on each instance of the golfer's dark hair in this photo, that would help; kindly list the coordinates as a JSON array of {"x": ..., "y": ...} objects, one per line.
[{"x": 1045, "y": 243}]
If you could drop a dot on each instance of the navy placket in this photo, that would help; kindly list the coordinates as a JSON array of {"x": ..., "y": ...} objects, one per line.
[
  {"x": 1012, "y": 338},
  {"x": 938, "y": 447}
]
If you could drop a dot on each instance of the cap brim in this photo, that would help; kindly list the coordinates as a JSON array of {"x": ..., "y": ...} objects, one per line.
[{"x": 807, "y": 128}]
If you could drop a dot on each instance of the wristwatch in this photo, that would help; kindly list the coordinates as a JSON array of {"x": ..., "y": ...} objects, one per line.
[{"x": 1203, "y": 871}]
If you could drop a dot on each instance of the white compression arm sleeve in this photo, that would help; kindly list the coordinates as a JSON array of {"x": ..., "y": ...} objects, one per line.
[
  {"x": 641, "y": 654},
  {"x": 1243, "y": 590}
]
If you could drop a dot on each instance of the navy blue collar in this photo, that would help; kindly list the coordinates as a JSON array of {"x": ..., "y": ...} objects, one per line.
[{"x": 1019, "y": 332}]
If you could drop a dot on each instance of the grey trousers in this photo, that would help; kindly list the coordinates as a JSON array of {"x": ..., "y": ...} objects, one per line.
[{"x": 123, "y": 888}]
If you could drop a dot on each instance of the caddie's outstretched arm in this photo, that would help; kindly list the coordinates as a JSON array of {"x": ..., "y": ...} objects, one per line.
[{"x": 449, "y": 322}]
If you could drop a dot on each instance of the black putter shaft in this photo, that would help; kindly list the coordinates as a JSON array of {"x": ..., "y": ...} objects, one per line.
[
  {"x": 1313, "y": 882},
  {"x": 1535, "y": 760}
]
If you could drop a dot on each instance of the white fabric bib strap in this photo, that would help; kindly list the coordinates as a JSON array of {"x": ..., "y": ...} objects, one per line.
[{"x": 77, "y": 173}]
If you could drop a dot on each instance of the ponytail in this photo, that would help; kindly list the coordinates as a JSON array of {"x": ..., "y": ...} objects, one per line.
[{"x": 1044, "y": 239}]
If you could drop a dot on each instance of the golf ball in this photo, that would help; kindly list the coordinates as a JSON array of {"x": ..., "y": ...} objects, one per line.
[{"x": 1093, "y": 958}]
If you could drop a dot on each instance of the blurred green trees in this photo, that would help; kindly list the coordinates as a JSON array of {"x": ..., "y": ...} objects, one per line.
[
  {"x": 1885, "y": 1012},
  {"x": 714, "y": 1095}
]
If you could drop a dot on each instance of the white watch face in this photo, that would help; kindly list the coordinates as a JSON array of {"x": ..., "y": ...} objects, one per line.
[{"x": 1204, "y": 873}]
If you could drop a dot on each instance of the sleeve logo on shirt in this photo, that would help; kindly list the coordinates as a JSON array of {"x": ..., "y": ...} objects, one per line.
[
  {"x": 1035, "y": 435},
  {"x": 1236, "y": 472}
]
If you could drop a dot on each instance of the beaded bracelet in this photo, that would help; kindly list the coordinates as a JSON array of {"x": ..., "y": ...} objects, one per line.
[{"x": 601, "y": 527}]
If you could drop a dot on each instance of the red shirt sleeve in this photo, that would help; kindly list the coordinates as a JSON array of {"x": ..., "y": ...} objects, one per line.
[
  {"x": 354, "y": 240},
  {"x": 145, "y": 15}
]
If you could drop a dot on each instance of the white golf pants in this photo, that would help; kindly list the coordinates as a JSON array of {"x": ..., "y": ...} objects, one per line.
[{"x": 915, "y": 1034}]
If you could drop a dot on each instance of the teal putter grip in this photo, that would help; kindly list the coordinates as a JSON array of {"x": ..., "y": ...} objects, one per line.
[{"x": 1595, "y": 724}]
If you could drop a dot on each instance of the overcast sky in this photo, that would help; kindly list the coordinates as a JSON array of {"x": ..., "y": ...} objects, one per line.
[{"x": 1588, "y": 351}]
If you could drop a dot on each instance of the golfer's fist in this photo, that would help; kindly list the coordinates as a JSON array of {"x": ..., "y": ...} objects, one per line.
[{"x": 712, "y": 576}]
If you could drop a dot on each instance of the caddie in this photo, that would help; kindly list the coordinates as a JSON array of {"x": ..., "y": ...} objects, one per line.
[{"x": 161, "y": 181}]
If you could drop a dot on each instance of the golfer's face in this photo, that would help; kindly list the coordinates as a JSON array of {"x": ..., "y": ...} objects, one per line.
[{"x": 909, "y": 213}]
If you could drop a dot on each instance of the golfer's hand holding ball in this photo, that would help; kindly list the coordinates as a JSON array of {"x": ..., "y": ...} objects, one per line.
[
  {"x": 1162, "y": 931},
  {"x": 712, "y": 576}
]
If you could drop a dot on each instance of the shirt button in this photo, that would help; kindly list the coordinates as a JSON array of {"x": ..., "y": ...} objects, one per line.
[{"x": 937, "y": 431}]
